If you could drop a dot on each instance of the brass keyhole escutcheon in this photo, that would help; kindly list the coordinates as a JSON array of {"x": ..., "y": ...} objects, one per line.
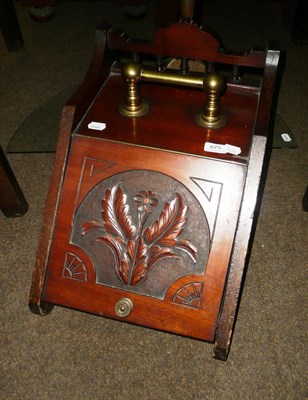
[{"x": 124, "y": 307}]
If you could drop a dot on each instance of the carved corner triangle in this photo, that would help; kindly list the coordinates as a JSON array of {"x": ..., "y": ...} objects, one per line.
[
  {"x": 212, "y": 193},
  {"x": 97, "y": 166}
]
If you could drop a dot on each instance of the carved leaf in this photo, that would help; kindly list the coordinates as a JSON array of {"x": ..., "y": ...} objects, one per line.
[
  {"x": 157, "y": 253},
  {"x": 124, "y": 270},
  {"x": 127, "y": 262},
  {"x": 140, "y": 272},
  {"x": 95, "y": 223},
  {"x": 169, "y": 226},
  {"x": 130, "y": 250},
  {"x": 115, "y": 213},
  {"x": 140, "y": 263},
  {"x": 142, "y": 251},
  {"x": 116, "y": 250},
  {"x": 190, "y": 249},
  {"x": 137, "y": 251}
]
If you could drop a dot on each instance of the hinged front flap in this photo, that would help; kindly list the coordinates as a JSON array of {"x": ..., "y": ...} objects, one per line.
[{"x": 132, "y": 224}]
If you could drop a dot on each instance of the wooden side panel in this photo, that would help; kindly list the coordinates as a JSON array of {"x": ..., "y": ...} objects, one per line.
[
  {"x": 71, "y": 116},
  {"x": 35, "y": 302},
  {"x": 240, "y": 251}
]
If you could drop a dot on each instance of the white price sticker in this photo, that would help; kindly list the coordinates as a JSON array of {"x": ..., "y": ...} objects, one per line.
[
  {"x": 222, "y": 148},
  {"x": 233, "y": 149},
  {"x": 97, "y": 126},
  {"x": 215, "y": 148}
]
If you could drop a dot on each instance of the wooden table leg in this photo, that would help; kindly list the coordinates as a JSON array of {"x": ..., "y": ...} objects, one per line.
[
  {"x": 12, "y": 200},
  {"x": 9, "y": 26}
]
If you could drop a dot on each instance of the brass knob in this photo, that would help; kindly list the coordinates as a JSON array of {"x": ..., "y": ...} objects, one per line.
[
  {"x": 211, "y": 116},
  {"x": 124, "y": 307},
  {"x": 134, "y": 105}
]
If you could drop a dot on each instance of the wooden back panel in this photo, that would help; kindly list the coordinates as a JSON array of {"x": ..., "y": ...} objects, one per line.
[{"x": 188, "y": 41}]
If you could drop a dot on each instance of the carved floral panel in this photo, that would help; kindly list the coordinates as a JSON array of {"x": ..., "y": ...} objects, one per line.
[{"x": 143, "y": 230}]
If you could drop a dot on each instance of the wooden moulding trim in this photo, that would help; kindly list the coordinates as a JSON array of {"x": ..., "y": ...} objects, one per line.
[
  {"x": 35, "y": 302},
  {"x": 239, "y": 257}
]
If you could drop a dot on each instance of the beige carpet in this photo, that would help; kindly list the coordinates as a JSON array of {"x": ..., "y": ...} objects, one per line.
[{"x": 71, "y": 355}]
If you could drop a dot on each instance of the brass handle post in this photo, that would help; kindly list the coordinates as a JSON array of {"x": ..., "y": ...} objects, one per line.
[
  {"x": 211, "y": 116},
  {"x": 134, "y": 105}
]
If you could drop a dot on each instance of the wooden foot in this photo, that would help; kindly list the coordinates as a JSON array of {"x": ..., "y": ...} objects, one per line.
[{"x": 41, "y": 308}]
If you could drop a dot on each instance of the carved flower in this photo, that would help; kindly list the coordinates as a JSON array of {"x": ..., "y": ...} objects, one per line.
[
  {"x": 137, "y": 249},
  {"x": 145, "y": 201}
]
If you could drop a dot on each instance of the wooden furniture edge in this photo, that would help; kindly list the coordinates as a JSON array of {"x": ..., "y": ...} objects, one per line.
[
  {"x": 268, "y": 92},
  {"x": 35, "y": 302},
  {"x": 255, "y": 180},
  {"x": 239, "y": 259},
  {"x": 72, "y": 113}
]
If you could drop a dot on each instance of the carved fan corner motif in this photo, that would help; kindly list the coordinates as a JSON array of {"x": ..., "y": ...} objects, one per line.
[
  {"x": 189, "y": 295},
  {"x": 74, "y": 268}
]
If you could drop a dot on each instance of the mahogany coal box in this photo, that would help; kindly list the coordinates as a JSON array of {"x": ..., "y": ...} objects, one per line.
[{"x": 157, "y": 178}]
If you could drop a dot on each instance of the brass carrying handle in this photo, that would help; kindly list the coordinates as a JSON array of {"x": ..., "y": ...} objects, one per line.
[
  {"x": 171, "y": 78},
  {"x": 212, "y": 83}
]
